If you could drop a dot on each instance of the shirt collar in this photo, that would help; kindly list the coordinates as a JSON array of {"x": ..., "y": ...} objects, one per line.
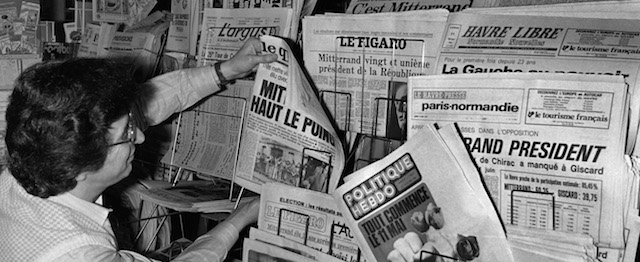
[{"x": 93, "y": 211}]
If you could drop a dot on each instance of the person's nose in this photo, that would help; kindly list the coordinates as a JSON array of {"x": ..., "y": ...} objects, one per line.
[{"x": 139, "y": 136}]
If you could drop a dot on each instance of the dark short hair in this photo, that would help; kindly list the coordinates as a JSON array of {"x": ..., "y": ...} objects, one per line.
[{"x": 58, "y": 120}]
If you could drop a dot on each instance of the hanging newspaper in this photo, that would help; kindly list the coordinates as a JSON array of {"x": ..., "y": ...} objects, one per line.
[
  {"x": 287, "y": 134},
  {"x": 307, "y": 217},
  {"x": 208, "y": 134},
  {"x": 382, "y": 6},
  {"x": 481, "y": 43},
  {"x": 420, "y": 204},
  {"x": 360, "y": 64},
  {"x": 550, "y": 146},
  {"x": 224, "y": 31}
]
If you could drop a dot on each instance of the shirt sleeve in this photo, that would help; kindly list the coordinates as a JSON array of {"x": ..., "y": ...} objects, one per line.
[
  {"x": 211, "y": 246},
  {"x": 173, "y": 92}
]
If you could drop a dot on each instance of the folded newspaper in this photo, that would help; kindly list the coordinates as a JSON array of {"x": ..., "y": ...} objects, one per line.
[
  {"x": 550, "y": 146},
  {"x": 309, "y": 218},
  {"x": 421, "y": 203},
  {"x": 287, "y": 135}
]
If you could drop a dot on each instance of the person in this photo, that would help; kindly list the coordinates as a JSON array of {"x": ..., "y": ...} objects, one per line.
[
  {"x": 398, "y": 129},
  {"x": 72, "y": 127}
]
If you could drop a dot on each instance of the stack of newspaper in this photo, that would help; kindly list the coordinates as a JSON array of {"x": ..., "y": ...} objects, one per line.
[{"x": 550, "y": 147}]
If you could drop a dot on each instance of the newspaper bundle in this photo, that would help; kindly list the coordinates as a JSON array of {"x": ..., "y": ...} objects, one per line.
[
  {"x": 381, "y": 6},
  {"x": 360, "y": 64},
  {"x": 423, "y": 202},
  {"x": 307, "y": 217},
  {"x": 550, "y": 147},
  {"x": 224, "y": 31},
  {"x": 287, "y": 135}
]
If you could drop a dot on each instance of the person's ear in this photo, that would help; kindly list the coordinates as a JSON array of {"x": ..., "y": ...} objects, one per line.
[{"x": 82, "y": 176}]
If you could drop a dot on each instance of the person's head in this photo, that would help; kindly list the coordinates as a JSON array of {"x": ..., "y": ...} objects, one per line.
[
  {"x": 400, "y": 104},
  {"x": 64, "y": 122}
]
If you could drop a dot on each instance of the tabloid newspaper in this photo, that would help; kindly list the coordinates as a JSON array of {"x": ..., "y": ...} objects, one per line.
[
  {"x": 381, "y": 6},
  {"x": 550, "y": 146},
  {"x": 224, "y": 31},
  {"x": 287, "y": 135},
  {"x": 484, "y": 43},
  {"x": 307, "y": 217},
  {"x": 208, "y": 134},
  {"x": 360, "y": 64},
  {"x": 417, "y": 203}
]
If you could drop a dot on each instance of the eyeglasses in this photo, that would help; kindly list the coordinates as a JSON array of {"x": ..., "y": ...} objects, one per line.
[
  {"x": 130, "y": 134},
  {"x": 401, "y": 104}
]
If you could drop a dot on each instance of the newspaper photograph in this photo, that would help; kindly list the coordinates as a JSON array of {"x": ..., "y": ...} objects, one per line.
[
  {"x": 383, "y": 6},
  {"x": 208, "y": 134},
  {"x": 287, "y": 135},
  {"x": 417, "y": 204},
  {"x": 224, "y": 31},
  {"x": 307, "y": 217},
  {"x": 360, "y": 65},
  {"x": 550, "y": 147}
]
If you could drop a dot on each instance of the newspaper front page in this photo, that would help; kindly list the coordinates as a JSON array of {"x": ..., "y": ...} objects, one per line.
[
  {"x": 307, "y": 217},
  {"x": 417, "y": 203},
  {"x": 224, "y": 31},
  {"x": 550, "y": 146},
  {"x": 382, "y": 6},
  {"x": 360, "y": 64},
  {"x": 483, "y": 43},
  {"x": 208, "y": 134},
  {"x": 287, "y": 135}
]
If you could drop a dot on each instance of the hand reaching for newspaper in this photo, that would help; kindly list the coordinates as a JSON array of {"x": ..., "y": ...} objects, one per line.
[
  {"x": 246, "y": 60},
  {"x": 245, "y": 214}
]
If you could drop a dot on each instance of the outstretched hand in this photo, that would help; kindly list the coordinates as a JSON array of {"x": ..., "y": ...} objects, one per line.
[
  {"x": 246, "y": 60},
  {"x": 245, "y": 214}
]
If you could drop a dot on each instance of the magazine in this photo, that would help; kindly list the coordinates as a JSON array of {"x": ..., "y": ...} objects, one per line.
[{"x": 417, "y": 203}]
